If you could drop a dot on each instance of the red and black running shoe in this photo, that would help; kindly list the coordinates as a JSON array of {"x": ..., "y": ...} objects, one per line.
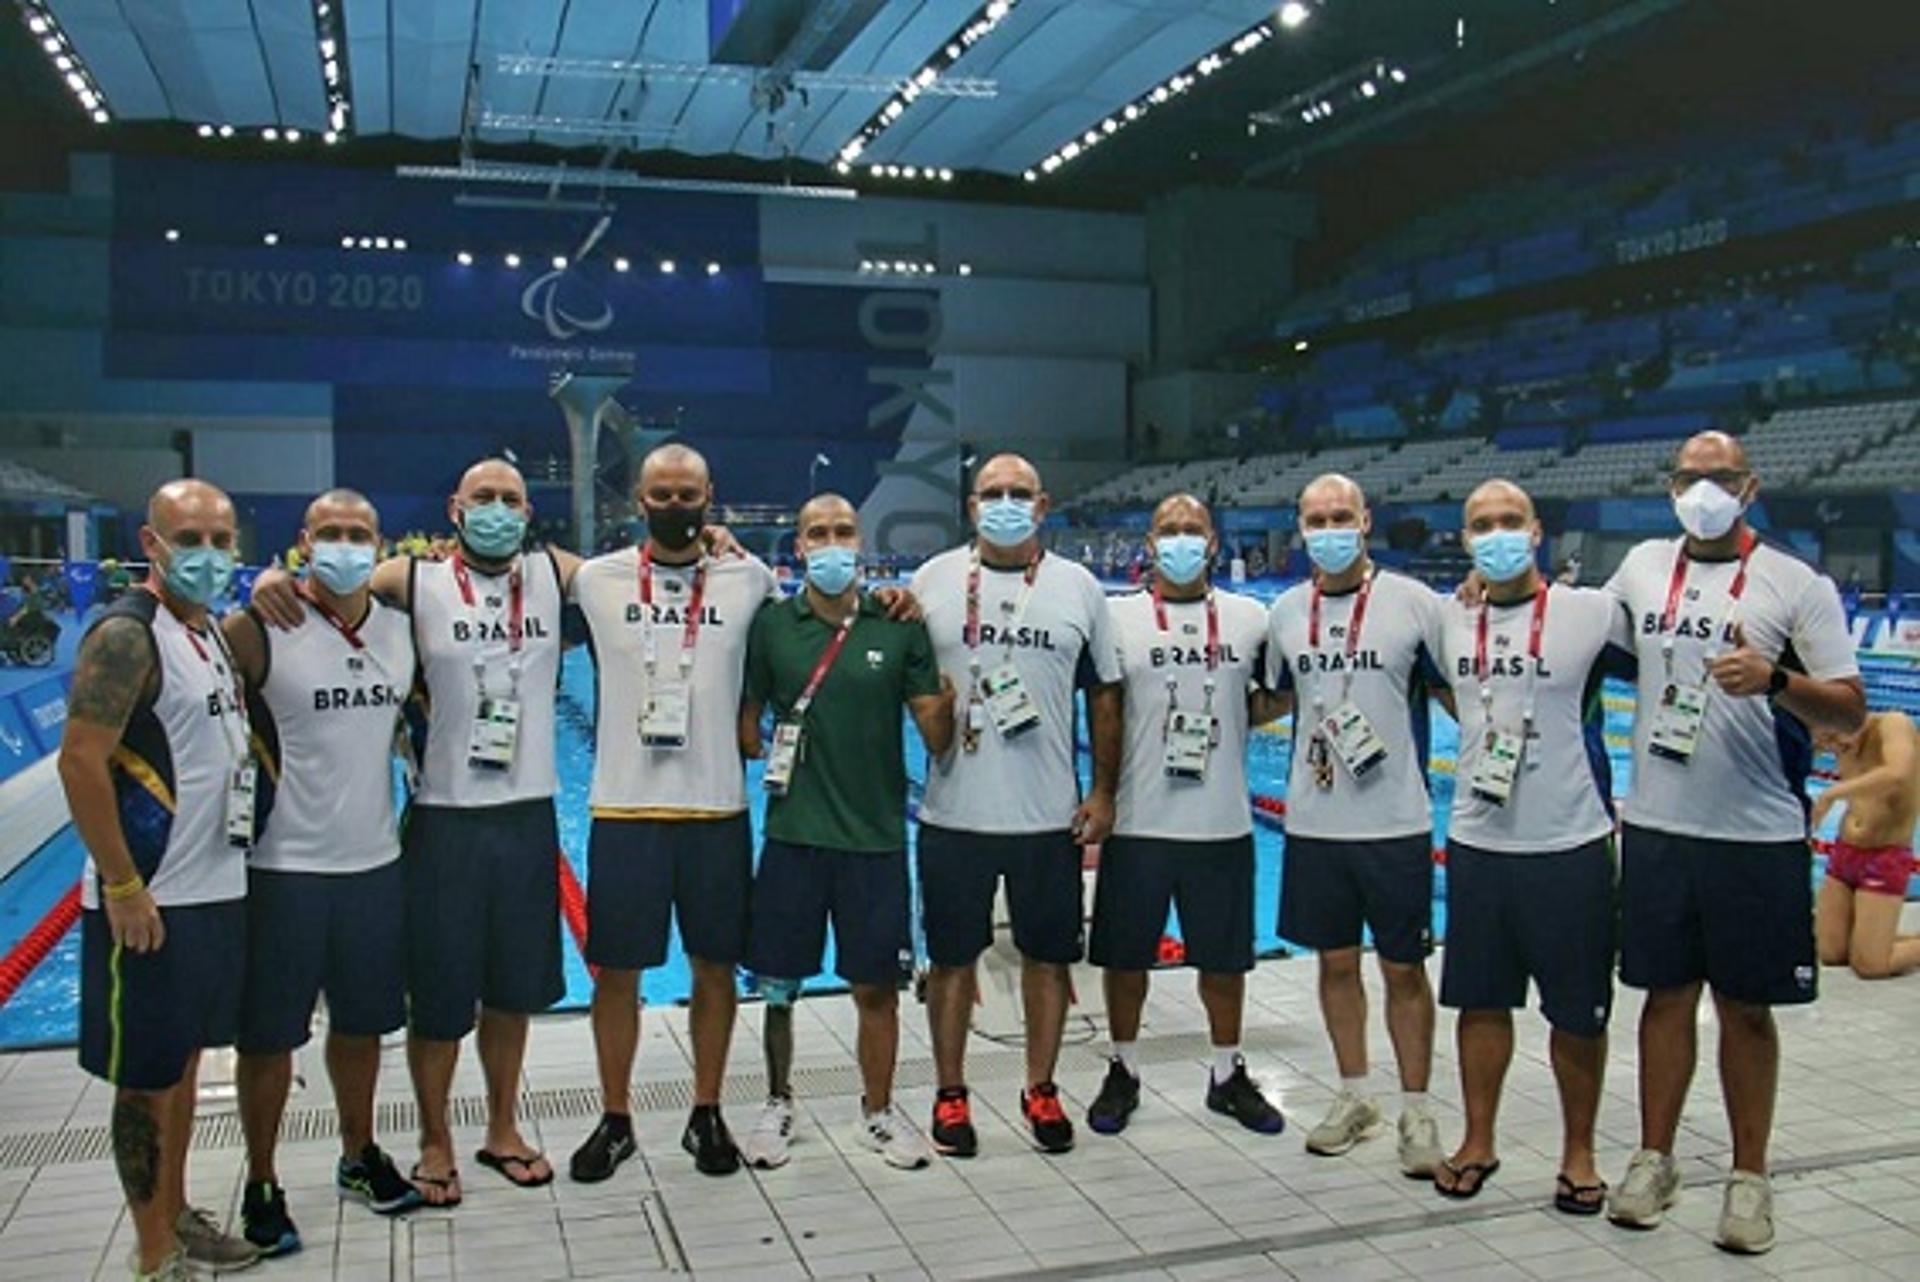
[
  {"x": 953, "y": 1133},
  {"x": 1052, "y": 1132}
]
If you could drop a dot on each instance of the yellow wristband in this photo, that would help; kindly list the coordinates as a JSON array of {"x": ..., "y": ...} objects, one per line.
[{"x": 123, "y": 889}]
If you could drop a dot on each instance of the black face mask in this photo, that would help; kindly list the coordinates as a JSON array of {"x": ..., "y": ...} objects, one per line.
[{"x": 675, "y": 528}]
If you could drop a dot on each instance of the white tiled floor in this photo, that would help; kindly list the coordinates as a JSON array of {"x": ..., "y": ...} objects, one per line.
[{"x": 1182, "y": 1194}]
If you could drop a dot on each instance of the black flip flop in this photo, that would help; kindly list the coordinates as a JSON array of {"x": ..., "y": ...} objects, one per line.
[
  {"x": 441, "y": 1182},
  {"x": 502, "y": 1161},
  {"x": 1571, "y": 1199},
  {"x": 1478, "y": 1172}
]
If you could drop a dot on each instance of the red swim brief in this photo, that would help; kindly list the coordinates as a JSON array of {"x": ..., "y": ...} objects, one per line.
[{"x": 1882, "y": 870}]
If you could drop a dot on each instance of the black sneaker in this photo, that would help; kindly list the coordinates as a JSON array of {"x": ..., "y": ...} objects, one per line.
[
  {"x": 1119, "y": 1096},
  {"x": 1046, "y": 1119},
  {"x": 376, "y": 1181},
  {"x": 264, "y": 1219},
  {"x": 707, "y": 1138},
  {"x": 1241, "y": 1100},
  {"x": 952, "y": 1133},
  {"x": 610, "y": 1144}
]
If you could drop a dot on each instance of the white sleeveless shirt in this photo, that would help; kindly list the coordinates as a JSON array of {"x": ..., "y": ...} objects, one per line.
[
  {"x": 172, "y": 767},
  {"x": 331, "y": 711},
  {"x": 458, "y": 642}
]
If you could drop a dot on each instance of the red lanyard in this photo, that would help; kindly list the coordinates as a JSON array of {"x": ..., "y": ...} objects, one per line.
[
  {"x": 1536, "y": 634},
  {"x": 690, "y": 633},
  {"x": 515, "y": 605},
  {"x": 1354, "y": 624},
  {"x": 1213, "y": 624},
  {"x": 1679, "y": 580},
  {"x": 972, "y": 632},
  {"x": 821, "y": 666},
  {"x": 226, "y": 656},
  {"x": 340, "y": 625}
]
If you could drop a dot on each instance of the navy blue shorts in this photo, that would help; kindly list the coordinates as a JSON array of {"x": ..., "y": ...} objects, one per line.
[
  {"x": 338, "y": 933},
  {"x": 799, "y": 888},
  {"x": 1330, "y": 889},
  {"x": 1738, "y": 915},
  {"x": 1547, "y": 918},
  {"x": 483, "y": 914},
  {"x": 641, "y": 873},
  {"x": 1211, "y": 882},
  {"x": 143, "y": 1014},
  {"x": 959, "y": 872}
]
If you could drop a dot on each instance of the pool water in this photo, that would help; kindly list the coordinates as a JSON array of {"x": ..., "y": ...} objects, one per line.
[{"x": 45, "y": 1009}]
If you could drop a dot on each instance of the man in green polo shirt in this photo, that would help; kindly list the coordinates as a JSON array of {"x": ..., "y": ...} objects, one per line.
[{"x": 836, "y": 671}]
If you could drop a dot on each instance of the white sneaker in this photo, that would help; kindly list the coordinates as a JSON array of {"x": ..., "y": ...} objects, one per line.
[
  {"x": 1746, "y": 1216},
  {"x": 1651, "y": 1186},
  {"x": 766, "y": 1147},
  {"x": 1420, "y": 1154},
  {"x": 1346, "y": 1124},
  {"x": 893, "y": 1137}
]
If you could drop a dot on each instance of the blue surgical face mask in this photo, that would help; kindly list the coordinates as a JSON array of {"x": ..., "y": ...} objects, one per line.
[
  {"x": 1332, "y": 551},
  {"x": 493, "y": 530},
  {"x": 1006, "y": 523},
  {"x": 831, "y": 569},
  {"x": 342, "y": 568},
  {"x": 1182, "y": 558},
  {"x": 199, "y": 575},
  {"x": 1501, "y": 555}
]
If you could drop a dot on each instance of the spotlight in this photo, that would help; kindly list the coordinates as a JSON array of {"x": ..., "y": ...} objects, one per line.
[
  {"x": 399, "y": 242},
  {"x": 293, "y": 135},
  {"x": 513, "y": 260},
  {"x": 928, "y": 268},
  {"x": 271, "y": 238},
  {"x": 842, "y": 167},
  {"x": 381, "y": 242},
  {"x": 1300, "y": 345},
  {"x": 365, "y": 242},
  {"x": 330, "y": 137},
  {"x": 37, "y": 25},
  {"x": 713, "y": 269},
  {"x": 908, "y": 172},
  {"x": 946, "y": 175},
  {"x": 876, "y": 171},
  {"x": 559, "y": 262},
  {"x": 666, "y": 267},
  {"x": 1399, "y": 76},
  {"x": 621, "y": 264},
  {"x": 226, "y": 131},
  {"x": 173, "y": 234},
  {"x": 346, "y": 242},
  {"x": 866, "y": 264},
  {"x": 900, "y": 267},
  {"x": 51, "y": 44},
  {"x": 205, "y": 131},
  {"x": 464, "y": 258},
  {"x": 270, "y": 134},
  {"x": 74, "y": 81},
  {"x": 1367, "y": 90},
  {"x": 1030, "y": 176},
  {"x": 966, "y": 269},
  {"x": 1293, "y": 13},
  {"x": 63, "y": 63}
]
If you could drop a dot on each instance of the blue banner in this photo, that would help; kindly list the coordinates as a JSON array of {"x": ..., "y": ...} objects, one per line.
[
  {"x": 18, "y": 746},
  {"x": 43, "y": 708}
]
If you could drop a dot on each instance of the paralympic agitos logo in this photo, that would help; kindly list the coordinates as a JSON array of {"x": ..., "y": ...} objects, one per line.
[{"x": 564, "y": 319}]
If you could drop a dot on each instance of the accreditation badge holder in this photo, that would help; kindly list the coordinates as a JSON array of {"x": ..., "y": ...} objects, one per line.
[
  {"x": 783, "y": 758},
  {"x": 496, "y": 732},
  {"x": 1008, "y": 704},
  {"x": 240, "y": 794},
  {"x": 1189, "y": 742},
  {"x": 1495, "y": 773},
  {"x": 976, "y": 725},
  {"x": 1677, "y": 719},
  {"x": 1351, "y": 735},
  {"x": 666, "y": 715}
]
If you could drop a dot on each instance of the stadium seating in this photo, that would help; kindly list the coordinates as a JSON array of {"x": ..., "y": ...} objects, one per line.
[{"x": 22, "y": 483}]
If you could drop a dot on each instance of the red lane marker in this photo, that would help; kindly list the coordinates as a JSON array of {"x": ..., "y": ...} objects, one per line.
[
  {"x": 34, "y": 946},
  {"x": 573, "y": 907}
]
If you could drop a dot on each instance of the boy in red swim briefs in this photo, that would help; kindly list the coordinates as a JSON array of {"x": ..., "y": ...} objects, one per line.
[{"x": 1867, "y": 872}]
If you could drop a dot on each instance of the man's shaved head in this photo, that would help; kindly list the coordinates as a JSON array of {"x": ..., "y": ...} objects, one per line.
[
  {"x": 1499, "y": 490},
  {"x": 1176, "y": 512},
  {"x": 825, "y": 507},
  {"x": 824, "y": 520},
  {"x": 1334, "y": 502},
  {"x": 675, "y": 458},
  {"x": 1710, "y": 451},
  {"x": 494, "y": 477},
  {"x": 1006, "y": 469},
  {"x": 341, "y": 501},
  {"x": 184, "y": 500}
]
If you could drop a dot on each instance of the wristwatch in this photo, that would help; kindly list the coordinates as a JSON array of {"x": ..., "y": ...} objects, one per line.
[{"x": 1777, "y": 683}]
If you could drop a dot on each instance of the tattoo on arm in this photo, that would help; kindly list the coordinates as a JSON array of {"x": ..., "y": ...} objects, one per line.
[
  {"x": 112, "y": 672},
  {"x": 136, "y": 1148}
]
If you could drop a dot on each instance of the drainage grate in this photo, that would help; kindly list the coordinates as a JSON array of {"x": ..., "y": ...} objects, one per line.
[{"x": 221, "y": 1130}]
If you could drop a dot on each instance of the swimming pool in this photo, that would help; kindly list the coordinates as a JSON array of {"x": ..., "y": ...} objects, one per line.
[{"x": 44, "y": 1010}]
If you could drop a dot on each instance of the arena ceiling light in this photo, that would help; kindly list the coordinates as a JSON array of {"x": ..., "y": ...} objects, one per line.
[
  {"x": 65, "y": 60},
  {"x": 1208, "y": 64},
  {"x": 931, "y": 78},
  {"x": 330, "y": 46},
  {"x": 1362, "y": 83},
  {"x": 463, "y": 258}
]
